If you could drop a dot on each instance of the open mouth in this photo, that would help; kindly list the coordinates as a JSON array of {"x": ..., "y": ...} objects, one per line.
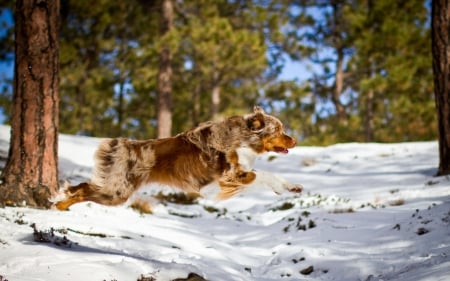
[{"x": 279, "y": 149}]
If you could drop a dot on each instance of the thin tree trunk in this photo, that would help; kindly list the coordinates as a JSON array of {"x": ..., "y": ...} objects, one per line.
[
  {"x": 165, "y": 75},
  {"x": 369, "y": 115},
  {"x": 370, "y": 103},
  {"x": 80, "y": 99},
  {"x": 338, "y": 87},
  {"x": 215, "y": 96},
  {"x": 215, "y": 102},
  {"x": 196, "y": 105},
  {"x": 339, "y": 75},
  {"x": 31, "y": 172},
  {"x": 440, "y": 26},
  {"x": 120, "y": 107},
  {"x": 196, "y": 93}
]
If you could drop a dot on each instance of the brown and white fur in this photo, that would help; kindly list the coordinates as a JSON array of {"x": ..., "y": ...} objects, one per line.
[{"x": 222, "y": 152}]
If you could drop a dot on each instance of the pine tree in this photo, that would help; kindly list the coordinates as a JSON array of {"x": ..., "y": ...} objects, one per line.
[
  {"x": 87, "y": 76},
  {"x": 31, "y": 172},
  {"x": 371, "y": 66},
  {"x": 390, "y": 70},
  {"x": 104, "y": 53},
  {"x": 440, "y": 22},
  {"x": 215, "y": 61}
]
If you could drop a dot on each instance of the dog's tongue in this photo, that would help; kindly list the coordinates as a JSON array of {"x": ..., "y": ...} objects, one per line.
[{"x": 281, "y": 150}]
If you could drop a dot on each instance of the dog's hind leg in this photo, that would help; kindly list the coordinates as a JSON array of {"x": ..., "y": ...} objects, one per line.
[{"x": 86, "y": 192}]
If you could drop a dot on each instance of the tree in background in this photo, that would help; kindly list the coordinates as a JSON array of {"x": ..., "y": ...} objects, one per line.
[
  {"x": 440, "y": 26},
  {"x": 331, "y": 44},
  {"x": 86, "y": 45},
  {"x": 373, "y": 70},
  {"x": 388, "y": 69},
  {"x": 222, "y": 56},
  {"x": 98, "y": 59},
  {"x": 165, "y": 73},
  {"x": 31, "y": 172},
  {"x": 368, "y": 74}
]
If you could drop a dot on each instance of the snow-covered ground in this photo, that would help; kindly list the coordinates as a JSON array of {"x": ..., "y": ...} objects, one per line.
[{"x": 368, "y": 212}]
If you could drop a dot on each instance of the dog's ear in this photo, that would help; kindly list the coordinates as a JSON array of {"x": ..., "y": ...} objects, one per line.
[
  {"x": 258, "y": 109},
  {"x": 256, "y": 122}
]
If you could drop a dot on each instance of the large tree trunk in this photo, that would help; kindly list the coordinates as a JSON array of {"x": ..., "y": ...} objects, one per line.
[
  {"x": 165, "y": 75},
  {"x": 31, "y": 172},
  {"x": 440, "y": 26}
]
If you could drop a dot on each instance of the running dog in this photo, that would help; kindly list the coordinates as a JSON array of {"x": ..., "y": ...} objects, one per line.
[{"x": 222, "y": 152}]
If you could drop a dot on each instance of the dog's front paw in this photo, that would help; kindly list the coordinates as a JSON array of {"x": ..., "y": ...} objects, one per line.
[
  {"x": 246, "y": 177},
  {"x": 283, "y": 186},
  {"x": 277, "y": 183}
]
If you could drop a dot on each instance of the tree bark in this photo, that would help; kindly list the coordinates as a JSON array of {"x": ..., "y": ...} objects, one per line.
[
  {"x": 31, "y": 172},
  {"x": 440, "y": 26},
  {"x": 165, "y": 75}
]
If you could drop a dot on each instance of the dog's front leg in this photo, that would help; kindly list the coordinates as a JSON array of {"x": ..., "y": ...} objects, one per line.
[
  {"x": 233, "y": 181},
  {"x": 276, "y": 183}
]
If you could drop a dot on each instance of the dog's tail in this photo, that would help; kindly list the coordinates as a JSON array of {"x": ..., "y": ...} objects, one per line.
[
  {"x": 119, "y": 170},
  {"x": 108, "y": 159},
  {"x": 123, "y": 164}
]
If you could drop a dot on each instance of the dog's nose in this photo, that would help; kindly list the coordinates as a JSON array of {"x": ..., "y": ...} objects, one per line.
[
  {"x": 289, "y": 141},
  {"x": 292, "y": 141}
]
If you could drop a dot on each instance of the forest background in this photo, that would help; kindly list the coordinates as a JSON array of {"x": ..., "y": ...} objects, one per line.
[{"x": 368, "y": 66}]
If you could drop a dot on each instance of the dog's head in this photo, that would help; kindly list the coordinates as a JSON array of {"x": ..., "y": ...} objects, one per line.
[{"x": 270, "y": 131}]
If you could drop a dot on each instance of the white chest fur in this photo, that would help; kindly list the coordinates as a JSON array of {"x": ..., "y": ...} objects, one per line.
[{"x": 247, "y": 157}]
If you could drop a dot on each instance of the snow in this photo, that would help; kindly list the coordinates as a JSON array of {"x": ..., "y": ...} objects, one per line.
[{"x": 368, "y": 212}]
